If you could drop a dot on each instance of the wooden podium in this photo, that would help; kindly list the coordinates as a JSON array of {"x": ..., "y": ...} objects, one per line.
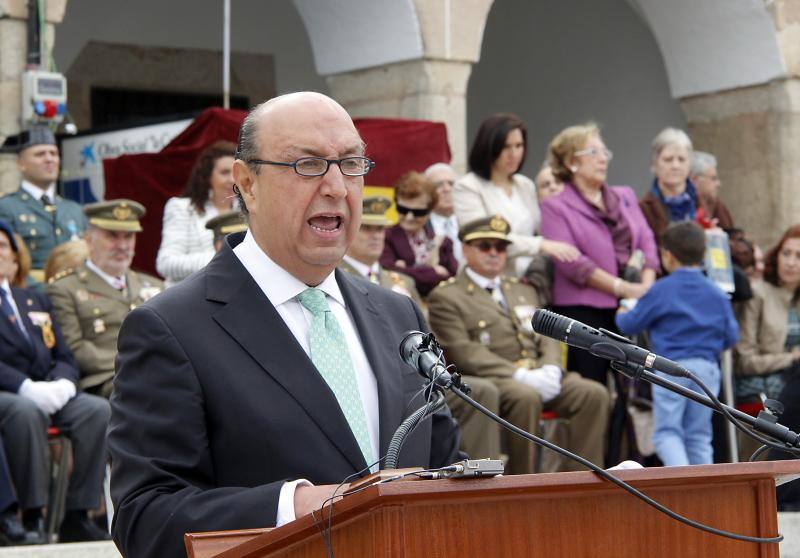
[{"x": 546, "y": 515}]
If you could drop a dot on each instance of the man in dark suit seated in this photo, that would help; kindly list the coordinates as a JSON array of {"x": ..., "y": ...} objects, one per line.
[
  {"x": 268, "y": 366},
  {"x": 38, "y": 382}
]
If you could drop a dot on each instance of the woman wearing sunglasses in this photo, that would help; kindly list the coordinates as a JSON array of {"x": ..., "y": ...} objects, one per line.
[
  {"x": 494, "y": 187},
  {"x": 411, "y": 246}
]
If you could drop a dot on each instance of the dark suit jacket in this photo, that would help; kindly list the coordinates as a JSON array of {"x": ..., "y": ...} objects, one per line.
[
  {"x": 215, "y": 405},
  {"x": 397, "y": 247},
  {"x": 20, "y": 360}
]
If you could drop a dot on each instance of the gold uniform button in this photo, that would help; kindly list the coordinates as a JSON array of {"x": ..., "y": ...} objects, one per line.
[
  {"x": 481, "y": 323},
  {"x": 58, "y": 231},
  {"x": 520, "y": 336},
  {"x": 96, "y": 311},
  {"x": 524, "y": 353}
]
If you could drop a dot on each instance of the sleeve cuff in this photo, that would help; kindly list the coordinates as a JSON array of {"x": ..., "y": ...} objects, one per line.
[{"x": 286, "y": 501}]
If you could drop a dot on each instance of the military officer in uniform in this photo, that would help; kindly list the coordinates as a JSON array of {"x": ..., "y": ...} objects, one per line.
[
  {"x": 35, "y": 211},
  {"x": 480, "y": 437},
  {"x": 483, "y": 321},
  {"x": 92, "y": 300},
  {"x": 226, "y": 223}
]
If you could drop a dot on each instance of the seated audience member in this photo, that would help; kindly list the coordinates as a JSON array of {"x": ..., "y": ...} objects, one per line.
[
  {"x": 224, "y": 224},
  {"x": 443, "y": 217},
  {"x": 363, "y": 253},
  {"x": 38, "y": 387},
  {"x": 480, "y": 437},
  {"x": 769, "y": 350},
  {"x": 11, "y": 530},
  {"x": 711, "y": 210},
  {"x": 483, "y": 321},
  {"x": 92, "y": 300},
  {"x": 410, "y": 246},
  {"x": 21, "y": 276},
  {"x": 690, "y": 321},
  {"x": 186, "y": 244},
  {"x": 494, "y": 186},
  {"x": 65, "y": 257},
  {"x": 547, "y": 184}
]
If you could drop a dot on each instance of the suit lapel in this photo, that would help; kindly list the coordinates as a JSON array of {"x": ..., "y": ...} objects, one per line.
[
  {"x": 249, "y": 317},
  {"x": 34, "y": 333},
  {"x": 380, "y": 347}
]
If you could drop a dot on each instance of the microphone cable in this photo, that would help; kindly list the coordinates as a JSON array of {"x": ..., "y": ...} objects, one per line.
[{"x": 611, "y": 478}]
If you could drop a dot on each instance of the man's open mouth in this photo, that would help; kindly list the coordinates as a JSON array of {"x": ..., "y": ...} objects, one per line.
[{"x": 325, "y": 223}]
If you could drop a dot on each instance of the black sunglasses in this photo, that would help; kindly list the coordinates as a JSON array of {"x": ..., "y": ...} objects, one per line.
[
  {"x": 403, "y": 210},
  {"x": 487, "y": 245}
]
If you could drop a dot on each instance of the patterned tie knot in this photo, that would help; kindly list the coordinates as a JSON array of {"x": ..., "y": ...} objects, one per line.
[{"x": 314, "y": 301}]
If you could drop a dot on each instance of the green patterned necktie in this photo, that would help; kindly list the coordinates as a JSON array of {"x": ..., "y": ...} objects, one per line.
[{"x": 330, "y": 355}]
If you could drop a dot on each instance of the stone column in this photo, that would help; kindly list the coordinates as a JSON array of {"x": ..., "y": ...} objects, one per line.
[
  {"x": 433, "y": 87},
  {"x": 419, "y": 89},
  {"x": 13, "y": 56},
  {"x": 755, "y": 134}
]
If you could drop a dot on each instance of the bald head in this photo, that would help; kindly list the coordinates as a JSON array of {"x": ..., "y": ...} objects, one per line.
[{"x": 303, "y": 223}]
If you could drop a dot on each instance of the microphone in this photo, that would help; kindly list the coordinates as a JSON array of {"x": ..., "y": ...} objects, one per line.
[
  {"x": 420, "y": 350},
  {"x": 601, "y": 343}
]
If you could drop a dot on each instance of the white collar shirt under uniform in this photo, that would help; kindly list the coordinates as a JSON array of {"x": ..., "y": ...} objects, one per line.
[
  {"x": 282, "y": 288},
  {"x": 36, "y": 193},
  {"x": 363, "y": 269},
  {"x": 486, "y": 283},
  {"x": 118, "y": 283}
]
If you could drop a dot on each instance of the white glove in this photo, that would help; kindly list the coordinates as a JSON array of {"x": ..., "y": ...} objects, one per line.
[
  {"x": 49, "y": 400},
  {"x": 64, "y": 389},
  {"x": 546, "y": 380}
]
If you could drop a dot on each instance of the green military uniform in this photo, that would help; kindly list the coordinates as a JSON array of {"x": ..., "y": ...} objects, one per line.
[
  {"x": 90, "y": 311},
  {"x": 392, "y": 280},
  {"x": 485, "y": 339},
  {"x": 42, "y": 228}
]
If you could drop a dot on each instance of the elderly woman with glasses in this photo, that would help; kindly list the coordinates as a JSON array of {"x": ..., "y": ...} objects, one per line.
[
  {"x": 606, "y": 225},
  {"x": 494, "y": 187},
  {"x": 411, "y": 246}
]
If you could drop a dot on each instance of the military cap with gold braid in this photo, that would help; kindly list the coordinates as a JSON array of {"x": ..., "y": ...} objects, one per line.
[
  {"x": 374, "y": 211},
  {"x": 115, "y": 215},
  {"x": 227, "y": 223},
  {"x": 488, "y": 227}
]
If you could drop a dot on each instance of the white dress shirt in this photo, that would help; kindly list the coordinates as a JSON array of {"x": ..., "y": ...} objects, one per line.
[
  {"x": 282, "y": 288},
  {"x": 118, "y": 283},
  {"x": 37, "y": 193},
  {"x": 448, "y": 226},
  {"x": 7, "y": 288},
  {"x": 362, "y": 268},
  {"x": 486, "y": 283}
]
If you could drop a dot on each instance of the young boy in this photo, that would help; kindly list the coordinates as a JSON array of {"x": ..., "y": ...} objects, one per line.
[{"x": 690, "y": 321}]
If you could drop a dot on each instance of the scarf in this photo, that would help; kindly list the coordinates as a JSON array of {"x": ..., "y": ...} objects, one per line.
[{"x": 682, "y": 207}]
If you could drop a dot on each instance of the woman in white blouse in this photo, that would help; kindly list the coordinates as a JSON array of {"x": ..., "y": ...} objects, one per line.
[
  {"x": 494, "y": 187},
  {"x": 186, "y": 244}
]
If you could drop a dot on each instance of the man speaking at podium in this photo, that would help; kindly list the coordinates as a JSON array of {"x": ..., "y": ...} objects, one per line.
[{"x": 268, "y": 365}]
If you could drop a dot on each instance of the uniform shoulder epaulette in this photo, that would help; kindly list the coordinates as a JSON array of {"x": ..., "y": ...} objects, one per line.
[{"x": 61, "y": 274}]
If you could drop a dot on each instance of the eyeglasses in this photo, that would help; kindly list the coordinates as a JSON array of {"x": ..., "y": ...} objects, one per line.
[
  {"x": 594, "y": 152},
  {"x": 403, "y": 210},
  {"x": 440, "y": 183},
  {"x": 318, "y": 166},
  {"x": 487, "y": 245}
]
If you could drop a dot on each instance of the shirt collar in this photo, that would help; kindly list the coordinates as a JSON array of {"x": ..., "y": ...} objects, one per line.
[
  {"x": 110, "y": 279},
  {"x": 481, "y": 281},
  {"x": 6, "y": 286},
  {"x": 362, "y": 268},
  {"x": 37, "y": 193},
  {"x": 278, "y": 285}
]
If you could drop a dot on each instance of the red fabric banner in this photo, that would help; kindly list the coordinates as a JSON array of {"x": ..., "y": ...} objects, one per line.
[{"x": 397, "y": 146}]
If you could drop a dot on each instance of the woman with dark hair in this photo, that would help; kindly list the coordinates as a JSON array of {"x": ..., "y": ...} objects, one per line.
[
  {"x": 186, "y": 244},
  {"x": 412, "y": 247},
  {"x": 769, "y": 349},
  {"x": 494, "y": 187}
]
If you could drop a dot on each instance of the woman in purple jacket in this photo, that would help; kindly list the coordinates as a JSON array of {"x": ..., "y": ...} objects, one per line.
[{"x": 606, "y": 225}]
